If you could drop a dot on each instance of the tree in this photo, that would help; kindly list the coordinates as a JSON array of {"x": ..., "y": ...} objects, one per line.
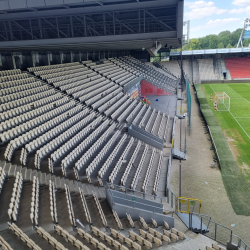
[
  {"x": 229, "y": 46},
  {"x": 246, "y": 42},
  {"x": 220, "y": 46},
  {"x": 213, "y": 41},
  {"x": 194, "y": 44},
  {"x": 204, "y": 42}
]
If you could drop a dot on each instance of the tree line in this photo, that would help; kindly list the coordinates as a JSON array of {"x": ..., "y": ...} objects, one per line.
[{"x": 224, "y": 39}]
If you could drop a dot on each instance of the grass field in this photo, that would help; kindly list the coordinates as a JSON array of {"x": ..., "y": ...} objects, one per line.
[{"x": 231, "y": 133}]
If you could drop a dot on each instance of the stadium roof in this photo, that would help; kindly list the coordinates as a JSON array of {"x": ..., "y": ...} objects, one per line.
[{"x": 89, "y": 24}]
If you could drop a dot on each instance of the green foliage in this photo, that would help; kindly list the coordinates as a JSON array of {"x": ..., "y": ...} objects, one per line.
[
  {"x": 246, "y": 42},
  {"x": 213, "y": 41},
  {"x": 220, "y": 46},
  {"x": 224, "y": 39},
  {"x": 194, "y": 44},
  {"x": 229, "y": 46},
  {"x": 235, "y": 125}
]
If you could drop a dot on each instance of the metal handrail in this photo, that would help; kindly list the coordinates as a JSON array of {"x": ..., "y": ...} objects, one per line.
[{"x": 240, "y": 243}]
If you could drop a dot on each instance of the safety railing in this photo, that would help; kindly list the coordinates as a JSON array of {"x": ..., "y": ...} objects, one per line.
[{"x": 216, "y": 231}]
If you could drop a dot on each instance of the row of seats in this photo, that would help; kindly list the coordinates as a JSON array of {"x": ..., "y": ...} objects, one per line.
[
  {"x": 36, "y": 127},
  {"x": 4, "y": 244},
  {"x": 50, "y": 239},
  {"x": 15, "y": 197},
  {"x": 96, "y": 146},
  {"x": 130, "y": 103},
  {"x": 111, "y": 157},
  {"x": 158, "y": 174},
  {"x": 150, "y": 120},
  {"x": 114, "y": 106},
  {"x": 153, "y": 239},
  {"x": 13, "y": 77},
  {"x": 101, "y": 213},
  {"x": 133, "y": 112},
  {"x": 214, "y": 247},
  {"x": 22, "y": 94},
  {"x": 151, "y": 74},
  {"x": 92, "y": 240},
  {"x": 78, "y": 151},
  {"x": 2, "y": 178},
  {"x": 15, "y": 112},
  {"x": 145, "y": 117},
  {"x": 24, "y": 237},
  {"x": 117, "y": 219},
  {"x": 70, "y": 238},
  {"x": 139, "y": 168},
  {"x": 25, "y": 100},
  {"x": 108, "y": 239},
  {"x": 101, "y": 154},
  {"x": 108, "y": 99},
  {"x": 141, "y": 241},
  {"x": 143, "y": 223},
  {"x": 130, "y": 164},
  {"x": 70, "y": 206},
  {"x": 174, "y": 234},
  {"x": 121, "y": 160},
  {"x": 73, "y": 142},
  {"x": 16, "y": 83},
  {"x": 162, "y": 130},
  {"x": 85, "y": 206},
  {"x": 149, "y": 172},
  {"x": 71, "y": 72},
  {"x": 10, "y": 72},
  {"x": 78, "y": 123},
  {"x": 130, "y": 221},
  {"x": 51, "y": 71},
  {"x": 22, "y": 118},
  {"x": 34, "y": 201},
  {"x": 56, "y": 131},
  {"x": 38, "y": 68},
  {"x": 138, "y": 116},
  {"x": 156, "y": 121},
  {"x": 11, "y": 90},
  {"x": 52, "y": 198},
  {"x": 124, "y": 240},
  {"x": 60, "y": 81}
]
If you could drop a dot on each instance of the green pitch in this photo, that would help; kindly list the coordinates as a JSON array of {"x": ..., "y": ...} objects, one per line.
[
  {"x": 231, "y": 133},
  {"x": 236, "y": 122}
]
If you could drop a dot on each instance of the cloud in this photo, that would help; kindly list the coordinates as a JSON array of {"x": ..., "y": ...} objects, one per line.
[
  {"x": 240, "y": 10},
  {"x": 241, "y": 2},
  {"x": 201, "y": 9},
  {"x": 215, "y": 23}
]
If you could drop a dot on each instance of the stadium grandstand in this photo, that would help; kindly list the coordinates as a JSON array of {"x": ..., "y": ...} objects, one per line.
[{"x": 88, "y": 127}]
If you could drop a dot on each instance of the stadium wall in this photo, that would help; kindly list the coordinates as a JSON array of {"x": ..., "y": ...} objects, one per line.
[{"x": 149, "y": 89}]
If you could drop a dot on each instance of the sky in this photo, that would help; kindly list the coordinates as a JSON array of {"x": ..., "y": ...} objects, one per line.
[{"x": 212, "y": 17}]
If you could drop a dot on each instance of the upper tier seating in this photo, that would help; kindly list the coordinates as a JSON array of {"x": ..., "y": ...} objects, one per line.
[{"x": 238, "y": 67}]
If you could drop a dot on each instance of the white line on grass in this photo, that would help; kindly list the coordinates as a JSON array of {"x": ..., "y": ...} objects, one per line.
[
  {"x": 239, "y": 124},
  {"x": 235, "y": 118}
]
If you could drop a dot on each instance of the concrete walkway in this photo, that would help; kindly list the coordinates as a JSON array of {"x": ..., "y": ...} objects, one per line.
[{"x": 201, "y": 181}]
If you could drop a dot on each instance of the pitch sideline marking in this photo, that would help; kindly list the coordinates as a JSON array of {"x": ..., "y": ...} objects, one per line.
[{"x": 235, "y": 119}]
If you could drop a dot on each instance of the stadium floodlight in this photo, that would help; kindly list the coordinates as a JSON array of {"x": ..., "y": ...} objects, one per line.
[
  {"x": 221, "y": 101},
  {"x": 245, "y": 33}
]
